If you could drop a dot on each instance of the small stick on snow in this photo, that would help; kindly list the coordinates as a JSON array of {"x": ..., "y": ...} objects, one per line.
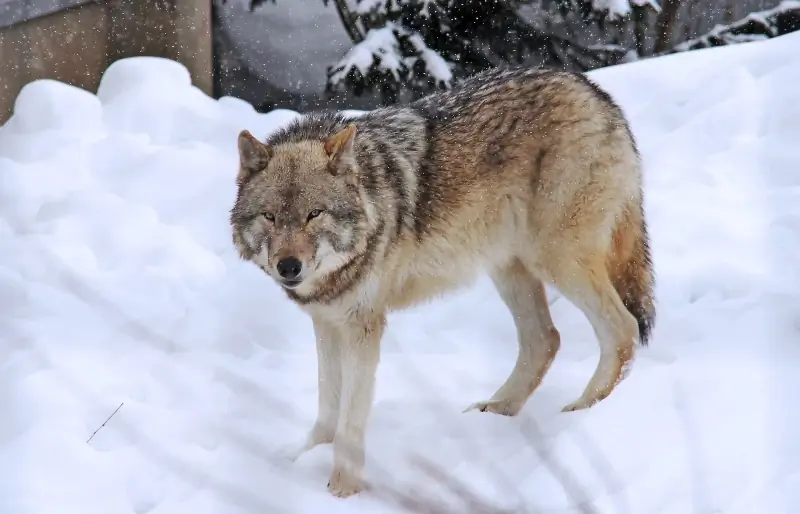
[{"x": 104, "y": 423}]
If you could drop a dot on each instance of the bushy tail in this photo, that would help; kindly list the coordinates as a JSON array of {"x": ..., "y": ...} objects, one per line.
[{"x": 631, "y": 269}]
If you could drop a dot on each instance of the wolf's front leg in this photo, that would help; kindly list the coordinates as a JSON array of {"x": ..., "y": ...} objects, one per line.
[
  {"x": 359, "y": 355},
  {"x": 329, "y": 386}
]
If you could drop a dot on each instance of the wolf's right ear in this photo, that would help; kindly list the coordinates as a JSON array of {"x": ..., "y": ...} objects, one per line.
[
  {"x": 253, "y": 156},
  {"x": 339, "y": 147}
]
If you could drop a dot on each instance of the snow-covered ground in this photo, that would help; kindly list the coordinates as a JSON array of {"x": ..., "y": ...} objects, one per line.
[{"x": 120, "y": 286}]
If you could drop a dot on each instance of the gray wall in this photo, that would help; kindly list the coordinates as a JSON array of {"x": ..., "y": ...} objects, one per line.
[{"x": 74, "y": 41}]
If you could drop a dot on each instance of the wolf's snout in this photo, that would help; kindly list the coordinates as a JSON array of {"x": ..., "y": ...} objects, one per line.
[{"x": 289, "y": 267}]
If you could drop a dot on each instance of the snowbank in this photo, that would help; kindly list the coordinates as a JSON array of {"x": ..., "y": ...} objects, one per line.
[{"x": 120, "y": 286}]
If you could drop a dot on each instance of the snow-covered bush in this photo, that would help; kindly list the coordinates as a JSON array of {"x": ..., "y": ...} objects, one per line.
[
  {"x": 422, "y": 45},
  {"x": 416, "y": 46}
]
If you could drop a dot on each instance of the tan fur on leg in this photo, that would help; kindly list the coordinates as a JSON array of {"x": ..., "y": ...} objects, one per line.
[
  {"x": 538, "y": 338},
  {"x": 329, "y": 385},
  {"x": 586, "y": 284},
  {"x": 359, "y": 363}
]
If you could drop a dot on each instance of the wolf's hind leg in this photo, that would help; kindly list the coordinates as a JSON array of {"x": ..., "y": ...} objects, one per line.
[
  {"x": 587, "y": 285},
  {"x": 524, "y": 294}
]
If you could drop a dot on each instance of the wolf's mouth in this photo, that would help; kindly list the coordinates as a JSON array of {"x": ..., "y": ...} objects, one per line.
[{"x": 290, "y": 284}]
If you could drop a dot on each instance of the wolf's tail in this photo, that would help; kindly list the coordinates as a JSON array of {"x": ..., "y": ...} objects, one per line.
[{"x": 631, "y": 269}]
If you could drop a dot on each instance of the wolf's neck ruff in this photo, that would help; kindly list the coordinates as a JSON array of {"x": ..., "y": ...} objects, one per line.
[{"x": 342, "y": 280}]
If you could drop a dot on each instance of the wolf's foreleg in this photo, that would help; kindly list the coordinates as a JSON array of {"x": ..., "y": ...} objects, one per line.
[
  {"x": 329, "y": 386},
  {"x": 359, "y": 356}
]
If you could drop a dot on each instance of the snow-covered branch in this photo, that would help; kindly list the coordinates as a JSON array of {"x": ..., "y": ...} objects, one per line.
[
  {"x": 602, "y": 10},
  {"x": 435, "y": 66},
  {"x": 780, "y": 20},
  {"x": 421, "y": 45},
  {"x": 620, "y": 9},
  {"x": 380, "y": 50},
  {"x": 390, "y": 54},
  {"x": 427, "y": 7}
]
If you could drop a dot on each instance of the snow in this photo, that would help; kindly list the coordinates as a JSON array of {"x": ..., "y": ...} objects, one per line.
[
  {"x": 380, "y": 43},
  {"x": 614, "y": 9},
  {"x": 762, "y": 16},
  {"x": 731, "y": 34},
  {"x": 619, "y": 9},
  {"x": 654, "y": 4},
  {"x": 380, "y": 6},
  {"x": 121, "y": 287},
  {"x": 435, "y": 65},
  {"x": 365, "y": 6}
]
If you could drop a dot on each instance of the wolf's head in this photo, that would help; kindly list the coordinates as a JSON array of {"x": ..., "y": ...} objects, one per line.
[{"x": 299, "y": 214}]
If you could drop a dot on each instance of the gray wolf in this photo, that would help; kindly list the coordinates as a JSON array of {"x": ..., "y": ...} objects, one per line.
[{"x": 532, "y": 177}]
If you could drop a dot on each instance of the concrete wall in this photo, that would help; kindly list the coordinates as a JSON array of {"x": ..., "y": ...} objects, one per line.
[{"x": 76, "y": 41}]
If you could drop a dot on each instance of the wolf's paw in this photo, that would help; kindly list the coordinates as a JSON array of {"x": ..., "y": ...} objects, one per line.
[
  {"x": 502, "y": 407},
  {"x": 343, "y": 484},
  {"x": 580, "y": 404}
]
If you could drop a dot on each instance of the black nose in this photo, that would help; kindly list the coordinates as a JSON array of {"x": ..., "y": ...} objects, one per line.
[{"x": 289, "y": 267}]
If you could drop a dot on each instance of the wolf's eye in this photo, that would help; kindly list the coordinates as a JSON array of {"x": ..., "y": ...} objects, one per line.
[
  {"x": 313, "y": 214},
  {"x": 269, "y": 216}
]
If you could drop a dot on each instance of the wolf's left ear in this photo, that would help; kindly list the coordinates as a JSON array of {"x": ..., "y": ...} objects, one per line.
[
  {"x": 340, "y": 146},
  {"x": 253, "y": 156}
]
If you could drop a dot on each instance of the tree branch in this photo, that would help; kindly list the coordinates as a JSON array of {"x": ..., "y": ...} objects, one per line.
[
  {"x": 783, "y": 19},
  {"x": 665, "y": 23},
  {"x": 348, "y": 20}
]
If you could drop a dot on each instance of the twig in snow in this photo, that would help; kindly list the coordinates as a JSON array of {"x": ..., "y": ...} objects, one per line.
[{"x": 104, "y": 423}]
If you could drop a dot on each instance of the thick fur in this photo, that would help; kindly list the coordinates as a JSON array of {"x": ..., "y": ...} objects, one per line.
[{"x": 532, "y": 177}]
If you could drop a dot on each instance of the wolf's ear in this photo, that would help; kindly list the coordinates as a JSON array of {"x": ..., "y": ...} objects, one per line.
[
  {"x": 340, "y": 145},
  {"x": 253, "y": 155}
]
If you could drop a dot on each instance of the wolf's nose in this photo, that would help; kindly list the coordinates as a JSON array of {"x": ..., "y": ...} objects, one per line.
[{"x": 289, "y": 267}]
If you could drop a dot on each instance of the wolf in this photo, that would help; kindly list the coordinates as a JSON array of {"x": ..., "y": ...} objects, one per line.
[{"x": 531, "y": 177}]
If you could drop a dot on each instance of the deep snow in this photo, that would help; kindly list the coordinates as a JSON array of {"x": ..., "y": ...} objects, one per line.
[{"x": 120, "y": 285}]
